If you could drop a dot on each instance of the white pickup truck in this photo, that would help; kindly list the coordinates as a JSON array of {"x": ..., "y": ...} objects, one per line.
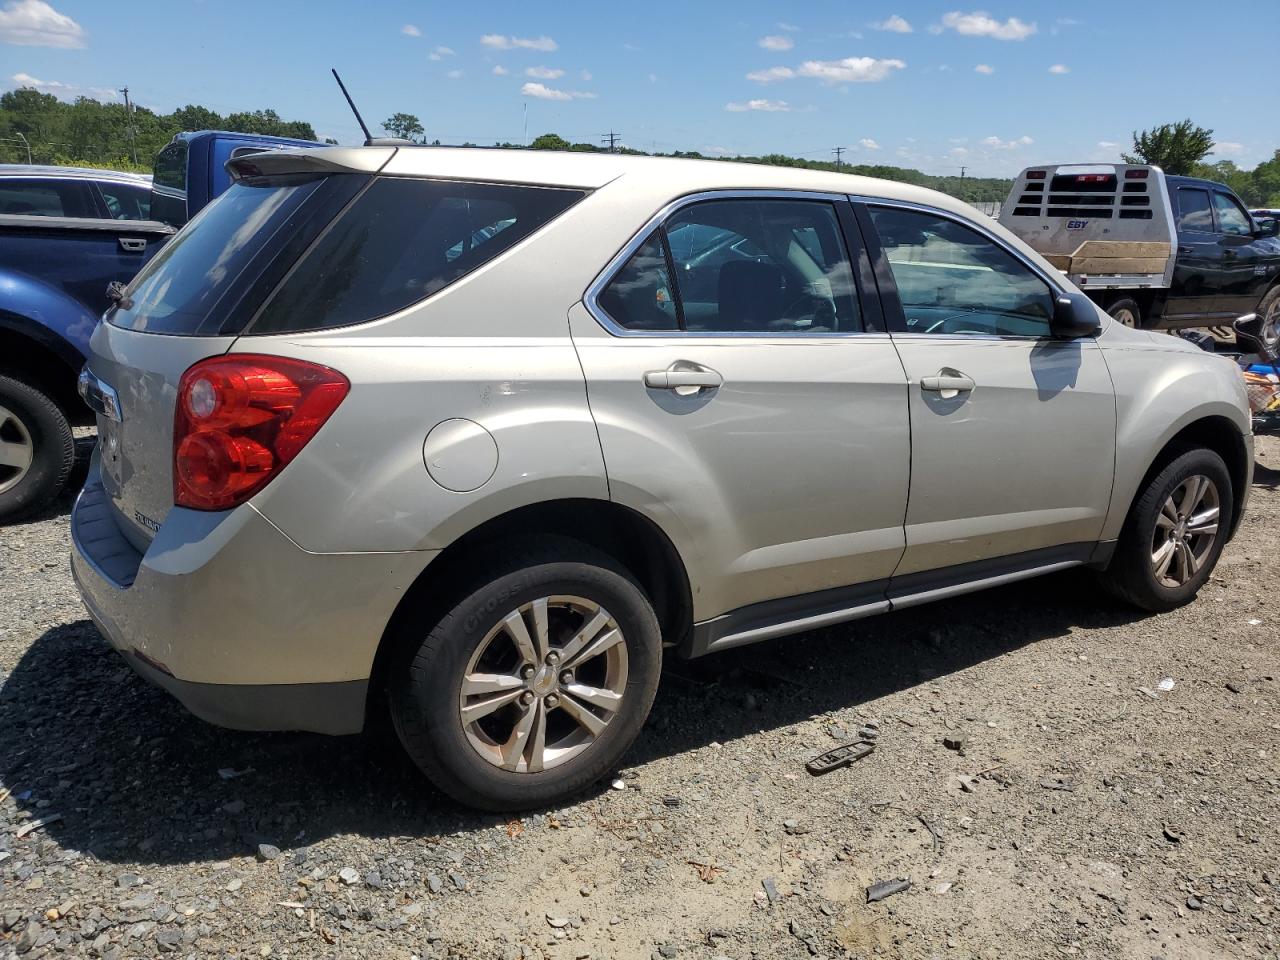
[{"x": 1153, "y": 250}]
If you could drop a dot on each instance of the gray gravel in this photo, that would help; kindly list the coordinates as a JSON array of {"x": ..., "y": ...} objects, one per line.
[{"x": 1081, "y": 817}]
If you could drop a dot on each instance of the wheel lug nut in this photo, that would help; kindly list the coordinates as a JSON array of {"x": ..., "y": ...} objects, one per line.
[
  {"x": 527, "y": 671},
  {"x": 553, "y": 657},
  {"x": 527, "y": 697},
  {"x": 566, "y": 677},
  {"x": 552, "y": 700}
]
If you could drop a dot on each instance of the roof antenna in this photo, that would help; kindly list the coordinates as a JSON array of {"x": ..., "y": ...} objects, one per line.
[{"x": 368, "y": 137}]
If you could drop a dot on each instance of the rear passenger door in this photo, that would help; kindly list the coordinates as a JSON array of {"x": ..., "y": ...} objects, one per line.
[
  {"x": 749, "y": 400},
  {"x": 1012, "y": 431}
]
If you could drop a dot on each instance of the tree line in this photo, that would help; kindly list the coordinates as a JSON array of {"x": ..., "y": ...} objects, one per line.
[{"x": 88, "y": 132}]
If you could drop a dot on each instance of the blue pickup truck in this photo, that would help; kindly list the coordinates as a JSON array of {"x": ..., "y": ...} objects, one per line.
[{"x": 66, "y": 234}]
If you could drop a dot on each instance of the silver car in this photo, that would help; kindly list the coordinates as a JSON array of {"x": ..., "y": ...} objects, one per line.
[{"x": 474, "y": 435}]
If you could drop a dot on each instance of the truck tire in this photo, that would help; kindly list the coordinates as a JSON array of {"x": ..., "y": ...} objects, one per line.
[
  {"x": 1269, "y": 311},
  {"x": 1126, "y": 311},
  {"x": 37, "y": 450}
]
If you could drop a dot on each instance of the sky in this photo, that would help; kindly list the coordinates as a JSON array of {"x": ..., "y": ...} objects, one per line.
[{"x": 991, "y": 87}]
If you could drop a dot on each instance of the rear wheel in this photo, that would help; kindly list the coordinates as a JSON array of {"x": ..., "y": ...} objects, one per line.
[
  {"x": 1269, "y": 311},
  {"x": 533, "y": 686},
  {"x": 1174, "y": 533},
  {"x": 1127, "y": 312},
  {"x": 37, "y": 450}
]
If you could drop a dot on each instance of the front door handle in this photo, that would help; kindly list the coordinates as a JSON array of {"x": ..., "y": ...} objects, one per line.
[
  {"x": 948, "y": 383},
  {"x": 133, "y": 244},
  {"x": 683, "y": 377}
]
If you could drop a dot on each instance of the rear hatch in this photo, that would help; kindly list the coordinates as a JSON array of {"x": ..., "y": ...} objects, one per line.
[
  {"x": 189, "y": 303},
  {"x": 1103, "y": 218}
]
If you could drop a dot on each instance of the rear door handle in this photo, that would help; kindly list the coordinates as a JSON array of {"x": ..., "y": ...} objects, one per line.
[
  {"x": 133, "y": 244},
  {"x": 948, "y": 383},
  {"x": 683, "y": 375}
]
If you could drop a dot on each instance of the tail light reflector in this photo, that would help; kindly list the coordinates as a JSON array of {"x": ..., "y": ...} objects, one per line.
[
  {"x": 240, "y": 419},
  {"x": 1136, "y": 174},
  {"x": 1035, "y": 174}
]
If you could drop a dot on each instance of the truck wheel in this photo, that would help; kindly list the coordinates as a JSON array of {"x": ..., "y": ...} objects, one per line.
[
  {"x": 1174, "y": 533},
  {"x": 1127, "y": 312},
  {"x": 1269, "y": 311},
  {"x": 37, "y": 450},
  {"x": 531, "y": 688}
]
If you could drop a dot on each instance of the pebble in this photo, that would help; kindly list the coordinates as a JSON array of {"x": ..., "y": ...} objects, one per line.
[
  {"x": 349, "y": 875},
  {"x": 267, "y": 852}
]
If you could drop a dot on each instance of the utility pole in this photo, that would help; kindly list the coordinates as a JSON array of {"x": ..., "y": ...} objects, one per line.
[
  {"x": 128, "y": 110},
  {"x": 612, "y": 139},
  {"x": 962, "y": 170},
  {"x": 838, "y": 151}
]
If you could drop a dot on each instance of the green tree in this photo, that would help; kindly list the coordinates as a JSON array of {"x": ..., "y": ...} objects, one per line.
[
  {"x": 550, "y": 141},
  {"x": 405, "y": 126},
  {"x": 1174, "y": 147}
]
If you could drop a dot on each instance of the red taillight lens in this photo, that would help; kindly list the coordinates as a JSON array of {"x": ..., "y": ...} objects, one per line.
[
  {"x": 240, "y": 419},
  {"x": 1136, "y": 174},
  {"x": 1092, "y": 177},
  {"x": 1035, "y": 174}
]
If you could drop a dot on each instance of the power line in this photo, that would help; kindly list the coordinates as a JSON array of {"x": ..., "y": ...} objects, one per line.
[
  {"x": 612, "y": 139},
  {"x": 837, "y": 151}
]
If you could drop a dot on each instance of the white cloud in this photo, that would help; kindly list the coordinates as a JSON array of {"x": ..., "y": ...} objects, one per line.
[
  {"x": 1108, "y": 144},
  {"x": 895, "y": 24},
  {"x": 984, "y": 68},
  {"x": 439, "y": 53},
  {"x": 1228, "y": 148},
  {"x": 653, "y": 78},
  {"x": 33, "y": 23},
  {"x": 542, "y": 92},
  {"x": 499, "y": 70},
  {"x": 1059, "y": 68},
  {"x": 775, "y": 42},
  {"x": 789, "y": 27},
  {"x": 771, "y": 74},
  {"x": 996, "y": 143},
  {"x": 765, "y": 106},
  {"x": 868, "y": 144},
  {"x": 497, "y": 41},
  {"x": 543, "y": 73},
  {"x": 979, "y": 24},
  {"x": 958, "y": 151},
  {"x": 46, "y": 86},
  {"x": 586, "y": 76},
  {"x": 454, "y": 74},
  {"x": 409, "y": 30}
]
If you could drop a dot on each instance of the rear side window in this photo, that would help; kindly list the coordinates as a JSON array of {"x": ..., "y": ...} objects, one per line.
[
  {"x": 125, "y": 201},
  {"x": 401, "y": 241},
  {"x": 639, "y": 296},
  {"x": 46, "y": 198},
  {"x": 1194, "y": 215}
]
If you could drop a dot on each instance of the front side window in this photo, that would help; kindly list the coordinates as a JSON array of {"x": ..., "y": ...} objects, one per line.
[
  {"x": 125, "y": 201},
  {"x": 953, "y": 280},
  {"x": 763, "y": 266},
  {"x": 1231, "y": 216},
  {"x": 401, "y": 241},
  {"x": 1194, "y": 215}
]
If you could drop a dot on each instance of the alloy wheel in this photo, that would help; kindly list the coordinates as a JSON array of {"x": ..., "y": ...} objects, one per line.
[
  {"x": 544, "y": 684},
  {"x": 17, "y": 450},
  {"x": 1186, "y": 530},
  {"x": 1126, "y": 318}
]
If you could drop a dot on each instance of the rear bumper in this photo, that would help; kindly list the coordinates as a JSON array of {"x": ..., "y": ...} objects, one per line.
[{"x": 235, "y": 620}]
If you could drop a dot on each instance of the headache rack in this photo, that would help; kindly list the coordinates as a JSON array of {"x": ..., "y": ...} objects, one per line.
[{"x": 1105, "y": 225}]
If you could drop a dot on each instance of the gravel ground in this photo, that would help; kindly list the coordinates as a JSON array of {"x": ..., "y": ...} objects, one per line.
[{"x": 1055, "y": 775}]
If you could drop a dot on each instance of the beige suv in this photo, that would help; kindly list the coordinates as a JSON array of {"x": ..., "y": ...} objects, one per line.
[{"x": 476, "y": 434}]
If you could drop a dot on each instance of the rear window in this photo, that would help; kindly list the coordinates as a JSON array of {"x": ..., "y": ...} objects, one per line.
[{"x": 401, "y": 241}]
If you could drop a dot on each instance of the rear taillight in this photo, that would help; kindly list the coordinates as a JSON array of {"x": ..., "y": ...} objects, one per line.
[
  {"x": 1092, "y": 178},
  {"x": 240, "y": 419},
  {"x": 1136, "y": 174},
  {"x": 1035, "y": 174}
]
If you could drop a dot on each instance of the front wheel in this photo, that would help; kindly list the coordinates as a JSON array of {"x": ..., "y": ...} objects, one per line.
[
  {"x": 37, "y": 449},
  {"x": 1174, "y": 534},
  {"x": 1127, "y": 312},
  {"x": 532, "y": 687}
]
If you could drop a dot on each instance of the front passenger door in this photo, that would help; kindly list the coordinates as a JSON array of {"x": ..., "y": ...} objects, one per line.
[{"x": 1012, "y": 431}]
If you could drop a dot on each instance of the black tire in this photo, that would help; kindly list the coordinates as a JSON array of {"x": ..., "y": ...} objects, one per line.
[
  {"x": 1269, "y": 311},
  {"x": 34, "y": 419},
  {"x": 1126, "y": 306},
  {"x": 1130, "y": 576},
  {"x": 426, "y": 685}
]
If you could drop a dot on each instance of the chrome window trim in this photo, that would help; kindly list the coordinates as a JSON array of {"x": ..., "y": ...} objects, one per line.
[{"x": 619, "y": 260}]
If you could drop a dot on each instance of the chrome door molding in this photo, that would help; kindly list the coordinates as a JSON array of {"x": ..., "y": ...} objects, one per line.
[{"x": 590, "y": 299}]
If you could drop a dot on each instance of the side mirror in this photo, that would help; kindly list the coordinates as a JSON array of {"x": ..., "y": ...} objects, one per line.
[
  {"x": 1268, "y": 228},
  {"x": 1074, "y": 315}
]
